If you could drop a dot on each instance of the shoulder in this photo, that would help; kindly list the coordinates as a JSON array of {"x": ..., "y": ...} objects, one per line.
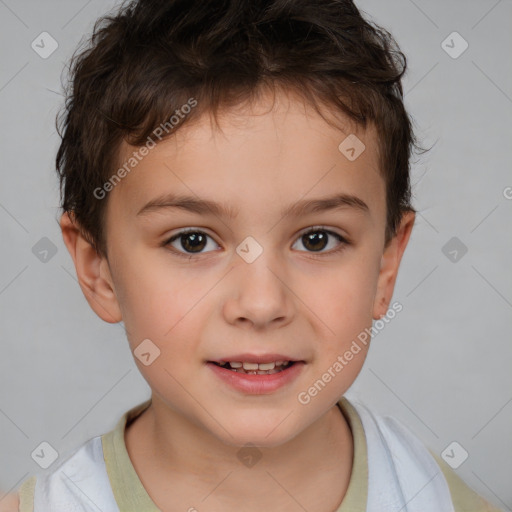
[
  {"x": 393, "y": 449},
  {"x": 52, "y": 490},
  {"x": 464, "y": 498},
  {"x": 9, "y": 503}
]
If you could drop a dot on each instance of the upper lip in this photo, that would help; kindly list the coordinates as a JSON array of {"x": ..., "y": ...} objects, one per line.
[{"x": 255, "y": 358}]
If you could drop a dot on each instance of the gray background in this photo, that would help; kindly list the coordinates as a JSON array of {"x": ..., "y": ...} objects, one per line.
[{"x": 442, "y": 366}]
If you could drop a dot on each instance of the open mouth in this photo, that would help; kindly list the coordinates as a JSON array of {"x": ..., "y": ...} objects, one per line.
[
  {"x": 257, "y": 378},
  {"x": 255, "y": 368}
]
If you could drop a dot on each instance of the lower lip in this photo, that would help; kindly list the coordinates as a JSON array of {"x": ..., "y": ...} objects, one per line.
[{"x": 257, "y": 384}]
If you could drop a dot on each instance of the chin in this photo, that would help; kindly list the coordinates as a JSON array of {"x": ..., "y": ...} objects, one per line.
[
  {"x": 264, "y": 434},
  {"x": 260, "y": 440}
]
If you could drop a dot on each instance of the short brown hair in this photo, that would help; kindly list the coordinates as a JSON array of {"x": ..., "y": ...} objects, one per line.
[{"x": 151, "y": 56}]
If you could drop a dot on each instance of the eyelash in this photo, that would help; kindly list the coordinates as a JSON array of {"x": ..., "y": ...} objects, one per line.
[{"x": 343, "y": 242}]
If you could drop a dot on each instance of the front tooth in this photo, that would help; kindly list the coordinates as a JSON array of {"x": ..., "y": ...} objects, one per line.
[
  {"x": 235, "y": 365},
  {"x": 250, "y": 366},
  {"x": 267, "y": 366},
  {"x": 279, "y": 363}
]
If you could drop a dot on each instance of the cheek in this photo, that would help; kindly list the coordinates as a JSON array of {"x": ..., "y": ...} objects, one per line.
[
  {"x": 164, "y": 306},
  {"x": 343, "y": 311},
  {"x": 150, "y": 298},
  {"x": 343, "y": 298}
]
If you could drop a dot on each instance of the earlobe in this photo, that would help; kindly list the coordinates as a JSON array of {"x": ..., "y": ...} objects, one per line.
[
  {"x": 92, "y": 271},
  {"x": 390, "y": 263}
]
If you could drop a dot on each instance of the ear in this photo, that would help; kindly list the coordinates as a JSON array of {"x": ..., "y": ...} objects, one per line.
[
  {"x": 92, "y": 270},
  {"x": 390, "y": 263}
]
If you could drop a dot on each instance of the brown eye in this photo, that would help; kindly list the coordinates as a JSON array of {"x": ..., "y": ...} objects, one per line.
[
  {"x": 317, "y": 239},
  {"x": 189, "y": 242},
  {"x": 193, "y": 242}
]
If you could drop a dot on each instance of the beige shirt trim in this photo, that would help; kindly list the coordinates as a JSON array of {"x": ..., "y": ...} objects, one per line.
[{"x": 26, "y": 495}]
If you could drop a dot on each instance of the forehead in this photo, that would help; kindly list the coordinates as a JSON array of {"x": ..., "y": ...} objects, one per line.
[{"x": 270, "y": 154}]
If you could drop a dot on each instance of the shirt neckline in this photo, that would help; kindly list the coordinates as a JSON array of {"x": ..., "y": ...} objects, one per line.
[{"x": 131, "y": 496}]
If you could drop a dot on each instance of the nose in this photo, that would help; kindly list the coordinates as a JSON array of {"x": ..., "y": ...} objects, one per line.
[{"x": 260, "y": 295}]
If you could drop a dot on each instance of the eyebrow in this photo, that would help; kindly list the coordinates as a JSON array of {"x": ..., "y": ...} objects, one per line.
[{"x": 205, "y": 206}]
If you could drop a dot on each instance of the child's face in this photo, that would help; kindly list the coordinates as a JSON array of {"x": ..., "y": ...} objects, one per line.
[{"x": 291, "y": 300}]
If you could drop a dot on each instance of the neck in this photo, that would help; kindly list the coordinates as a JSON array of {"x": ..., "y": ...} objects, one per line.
[{"x": 180, "y": 463}]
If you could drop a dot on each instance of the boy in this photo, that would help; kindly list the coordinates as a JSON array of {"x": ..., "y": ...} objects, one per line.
[{"x": 245, "y": 258}]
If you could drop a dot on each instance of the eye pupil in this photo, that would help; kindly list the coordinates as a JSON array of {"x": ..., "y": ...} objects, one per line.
[
  {"x": 315, "y": 237},
  {"x": 197, "y": 240}
]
